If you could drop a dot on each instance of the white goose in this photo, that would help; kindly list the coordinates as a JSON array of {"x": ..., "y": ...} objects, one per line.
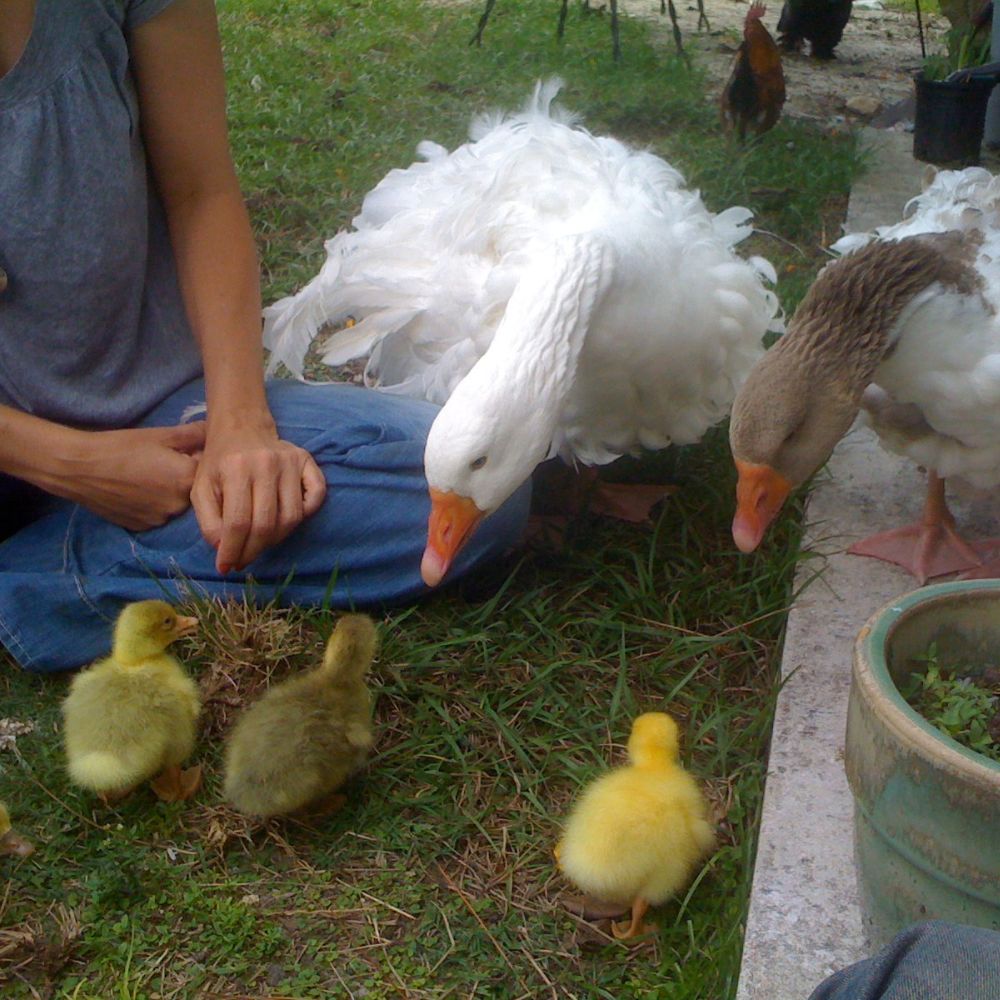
[
  {"x": 557, "y": 292},
  {"x": 905, "y": 326}
]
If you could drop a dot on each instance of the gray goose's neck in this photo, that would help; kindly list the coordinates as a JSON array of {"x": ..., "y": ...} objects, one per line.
[{"x": 847, "y": 318}]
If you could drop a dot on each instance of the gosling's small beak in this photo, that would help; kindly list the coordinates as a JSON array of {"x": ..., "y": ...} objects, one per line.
[
  {"x": 13, "y": 843},
  {"x": 760, "y": 493},
  {"x": 185, "y": 626},
  {"x": 453, "y": 519}
]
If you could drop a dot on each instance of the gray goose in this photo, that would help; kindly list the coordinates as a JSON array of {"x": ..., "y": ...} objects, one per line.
[{"x": 906, "y": 330}]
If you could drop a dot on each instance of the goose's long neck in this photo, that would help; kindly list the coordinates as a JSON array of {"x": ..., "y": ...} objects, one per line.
[
  {"x": 538, "y": 342},
  {"x": 850, "y": 318}
]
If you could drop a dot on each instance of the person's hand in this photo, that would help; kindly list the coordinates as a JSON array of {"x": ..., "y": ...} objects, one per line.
[
  {"x": 138, "y": 478},
  {"x": 251, "y": 490}
]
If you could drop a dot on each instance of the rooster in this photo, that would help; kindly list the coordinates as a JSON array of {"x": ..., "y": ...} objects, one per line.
[
  {"x": 755, "y": 92},
  {"x": 822, "y": 22}
]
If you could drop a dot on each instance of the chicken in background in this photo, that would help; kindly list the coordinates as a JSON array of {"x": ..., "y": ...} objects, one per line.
[
  {"x": 820, "y": 22},
  {"x": 755, "y": 93},
  {"x": 638, "y": 834}
]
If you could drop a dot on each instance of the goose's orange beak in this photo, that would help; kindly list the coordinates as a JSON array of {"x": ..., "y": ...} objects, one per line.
[
  {"x": 453, "y": 519},
  {"x": 760, "y": 493}
]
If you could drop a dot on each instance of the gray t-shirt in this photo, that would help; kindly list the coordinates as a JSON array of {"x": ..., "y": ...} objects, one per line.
[{"x": 93, "y": 331}]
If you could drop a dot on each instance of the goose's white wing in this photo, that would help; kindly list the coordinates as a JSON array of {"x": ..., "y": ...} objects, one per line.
[
  {"x": 439, "y": 249},
  {"x": 432, "y": 258}
]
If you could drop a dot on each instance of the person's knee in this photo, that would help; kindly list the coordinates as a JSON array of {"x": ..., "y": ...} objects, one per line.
[
  {"x": 339, "y": 419},
  {"x": 935, "y": 960}
]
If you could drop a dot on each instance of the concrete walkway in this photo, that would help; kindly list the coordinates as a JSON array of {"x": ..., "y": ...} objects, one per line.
[{"x": 804, "y": 919}]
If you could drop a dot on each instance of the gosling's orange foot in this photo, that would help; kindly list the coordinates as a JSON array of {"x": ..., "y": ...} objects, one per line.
[
  {"x": 635, "y": 928},
  {"x": 174, "y": 785},
  {"x": 109, "y": 799},
  {"x": 326, "y": 806},
  {"x": 629, "y": 932},
  {"x": 190, "y": 781}
]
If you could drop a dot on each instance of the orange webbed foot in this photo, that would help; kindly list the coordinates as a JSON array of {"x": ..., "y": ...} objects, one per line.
[
  {"x": 561, "y": 492},
  {"x": 635, "y": 928},
  {"x": 926, "y": 551},
  {"x": 174, "y": 785},
  {"x": 112, "y": 798},
  {"x": 932, "y": 547},
  {"x": 633, "y": 502},
  {"x": 326, "y": 806}
]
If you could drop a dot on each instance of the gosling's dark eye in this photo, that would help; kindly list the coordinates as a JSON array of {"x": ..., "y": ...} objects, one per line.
[
  {"x": 478, "y": 463},
  {"x": 168, "y": 622}
]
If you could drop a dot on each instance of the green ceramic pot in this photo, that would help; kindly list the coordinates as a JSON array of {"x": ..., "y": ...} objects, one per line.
[{"x": 927, "y": 810}]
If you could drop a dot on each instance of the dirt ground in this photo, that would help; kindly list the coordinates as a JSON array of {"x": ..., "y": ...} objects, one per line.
[{"x": 876, "y": 58}]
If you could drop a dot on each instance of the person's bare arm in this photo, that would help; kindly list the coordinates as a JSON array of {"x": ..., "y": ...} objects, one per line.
[
  {"x": 251, "y": 488},
  {"x": 138, "y": 478}
]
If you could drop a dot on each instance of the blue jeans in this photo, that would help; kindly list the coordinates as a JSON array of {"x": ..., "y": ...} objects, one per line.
[
  {"x": 928, "y": 961},
  {"x": 65, "y": 576}
]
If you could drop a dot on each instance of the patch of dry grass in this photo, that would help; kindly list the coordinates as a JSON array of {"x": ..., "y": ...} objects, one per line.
[
  {"x": 34, "y": 952},
  {"x": 243, "y": 650}
]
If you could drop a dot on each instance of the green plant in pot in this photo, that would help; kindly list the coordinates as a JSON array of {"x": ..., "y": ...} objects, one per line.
[
  {"x": 965, "y": 48},
  {"x": 927, "y": 807},
  {"x": 960, "y": 700},
  {"x": 951, "y": 99}
]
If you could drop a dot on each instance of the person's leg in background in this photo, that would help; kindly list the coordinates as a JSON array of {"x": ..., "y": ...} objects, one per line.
[{"x": 928, "y": 961}]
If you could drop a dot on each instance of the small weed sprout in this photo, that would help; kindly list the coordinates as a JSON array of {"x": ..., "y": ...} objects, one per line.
[{"x": 955, "y": 703}]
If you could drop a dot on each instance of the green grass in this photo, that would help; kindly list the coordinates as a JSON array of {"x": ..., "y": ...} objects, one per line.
[
  {"x": 927, "y": 7},
  {"x": 493, "y": 707},
  {"x": 325, "y": 97}
]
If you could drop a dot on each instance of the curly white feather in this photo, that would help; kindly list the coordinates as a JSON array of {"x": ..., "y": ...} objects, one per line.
[{"x": 439, "y": 250}]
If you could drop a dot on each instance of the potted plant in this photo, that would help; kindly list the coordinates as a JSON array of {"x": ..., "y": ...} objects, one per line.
[
  {"x": 960, "y": 699},
  {"x": 952, "y": 91},
  {"x": 927, "y": 807}
]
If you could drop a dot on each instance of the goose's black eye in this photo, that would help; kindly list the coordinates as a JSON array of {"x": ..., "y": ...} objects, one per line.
[
  {"x": 168, "y": 622},
  {"x": 478, "y": 463},
  {"x": 793, "y": 433}
]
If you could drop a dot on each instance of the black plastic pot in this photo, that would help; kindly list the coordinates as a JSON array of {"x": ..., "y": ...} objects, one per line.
[{"x": 950, "y": 114}]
